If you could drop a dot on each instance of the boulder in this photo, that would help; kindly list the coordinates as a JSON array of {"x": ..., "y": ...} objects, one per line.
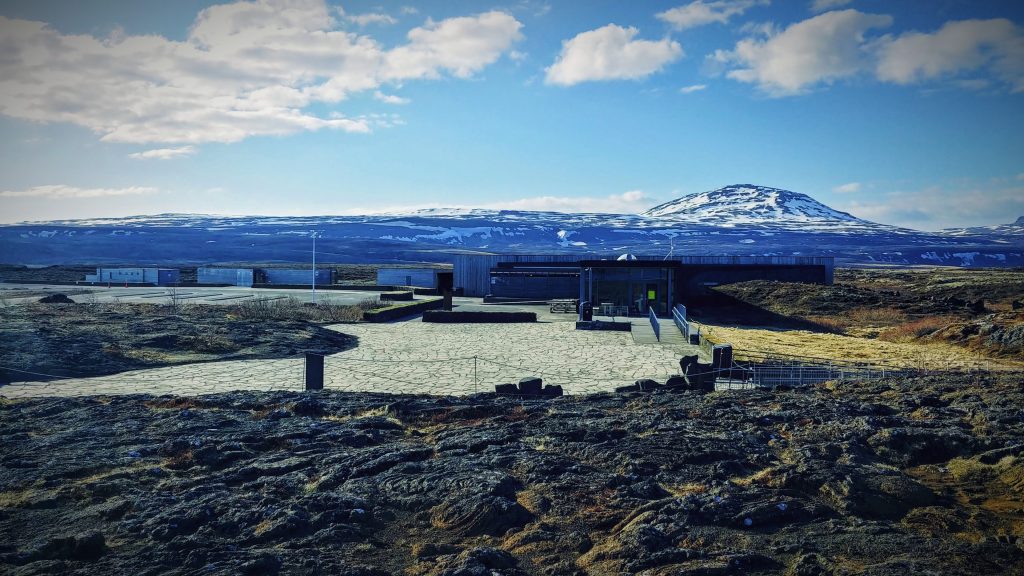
[
  {"x": 506, "y": 389},
  {"x": 686, "y": 361},
  {"x": 647, "y": 385},
  {"x": 553, "y": 390},
  {"x": 676, "y": 382},
  {"x": 700, "y": 377},
  {"x": 531, "y": 385}
]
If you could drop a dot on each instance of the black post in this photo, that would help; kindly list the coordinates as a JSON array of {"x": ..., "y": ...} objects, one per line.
[{"x": 314, "y": 371}]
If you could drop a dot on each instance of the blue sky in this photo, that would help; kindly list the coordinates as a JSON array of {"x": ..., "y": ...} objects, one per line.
[{"x": 895, "y": 113}]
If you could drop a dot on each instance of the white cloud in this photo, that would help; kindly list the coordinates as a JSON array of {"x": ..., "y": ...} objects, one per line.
[
  {"x": 164, "y": 153},
  {"x": 940, "y": 207},
  {"x": 631, "y": 202},
  {"x": 959, "y": 46},
  {"x": 462, "y": 46},
  {"x": 848, "y": 188},
  {"x": 63, "y": 191},
  {"x": 371, "y": 18},
  {"x": 1020, "y": 176},
  {"x": 610, "y": 53},
  {"x": 390, "y": 98},
  {"x": 821, "y": 49},
  {"x": 692, "y": 88},
  {"x": 247, "y": 68},
  {"x": 699, "y": 12},
  {"x": 826, "y": 5}
]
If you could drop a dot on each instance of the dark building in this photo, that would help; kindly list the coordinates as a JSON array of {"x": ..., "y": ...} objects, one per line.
[{"x": 627, "y": 284}]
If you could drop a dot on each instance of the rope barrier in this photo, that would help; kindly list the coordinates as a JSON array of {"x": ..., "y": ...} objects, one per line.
[{"x": 288, "y": 366}]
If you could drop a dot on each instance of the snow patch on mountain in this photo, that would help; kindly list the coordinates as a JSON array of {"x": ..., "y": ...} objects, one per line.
[{"x": 746, "y": 204}]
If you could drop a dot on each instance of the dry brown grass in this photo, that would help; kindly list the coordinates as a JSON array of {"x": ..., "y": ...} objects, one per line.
[
  {"x": 883, "y": 316},
  {"x": 843, "y": 348},
  {"x": 915, "y": 329},
  {"x": 832, "y": 324}
]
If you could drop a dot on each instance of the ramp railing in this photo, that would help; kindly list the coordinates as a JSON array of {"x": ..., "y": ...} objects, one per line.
[
  {"x": 679, "y": 317},
  {"x": 654, "y": 322}
]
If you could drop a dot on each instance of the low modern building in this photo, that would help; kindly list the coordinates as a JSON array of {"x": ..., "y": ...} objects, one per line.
[
  {"x": 228, "y": 276},
  {"x": 625, "y": 282},
  {"x": 418, "y": 277},
  {"x": 157, "y": 276},
  {"x": 294, "y": 276}
]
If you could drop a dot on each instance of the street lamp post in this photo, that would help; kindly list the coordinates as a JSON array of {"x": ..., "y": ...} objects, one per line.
[{"x": 314, "y": 267}]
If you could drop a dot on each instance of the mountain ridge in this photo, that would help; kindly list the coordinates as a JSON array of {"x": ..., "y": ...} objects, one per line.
[{"x": 740, "y": 219}]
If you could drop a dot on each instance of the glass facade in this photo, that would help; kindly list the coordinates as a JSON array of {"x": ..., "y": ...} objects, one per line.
[{"x": 629, "y": 288}]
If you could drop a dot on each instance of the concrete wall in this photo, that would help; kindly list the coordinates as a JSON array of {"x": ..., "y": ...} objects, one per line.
[
  {"x": 232, "y": 276},
  {"x": 420, "y": 277},
  {"x": 324, "y": 276}
]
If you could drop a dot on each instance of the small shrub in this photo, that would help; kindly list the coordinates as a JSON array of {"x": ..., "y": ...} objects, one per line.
[{"x": 293, "y": 309}]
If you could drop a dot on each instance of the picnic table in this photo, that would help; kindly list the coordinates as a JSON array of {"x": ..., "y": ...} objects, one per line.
[{"x": 564, "y": 306}]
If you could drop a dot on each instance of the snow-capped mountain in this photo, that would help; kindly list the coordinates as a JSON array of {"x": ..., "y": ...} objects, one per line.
[
  {"x": 1010, "y": 231},
  {"x": 741, "y": 219},
  {"x": 741, "y": 205}
]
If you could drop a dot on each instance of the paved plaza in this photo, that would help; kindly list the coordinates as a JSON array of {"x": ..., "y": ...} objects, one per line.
[{"x": 412, "y": 357}]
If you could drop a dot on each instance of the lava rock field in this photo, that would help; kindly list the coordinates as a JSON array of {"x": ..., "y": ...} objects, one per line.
[{"x": 895, "y": 477}]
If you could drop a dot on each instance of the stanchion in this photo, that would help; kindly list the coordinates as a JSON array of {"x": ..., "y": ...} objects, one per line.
[{"x": 314, "y": 371}]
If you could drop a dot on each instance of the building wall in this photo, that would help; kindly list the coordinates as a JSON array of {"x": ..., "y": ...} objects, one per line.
[
  {"x": 539, "y": 287},
  {"x": 419, "y": 277},
  {"x": 160, "y": 277},
  {"x": 472, "y": 272},
  {"x": 825, "y": 262},
  {"x": 232, "y": 276},
  {"x": 324, "y": 276},
  {"x": 168, "y": 276},
  {"x": 695, "y": 279}
]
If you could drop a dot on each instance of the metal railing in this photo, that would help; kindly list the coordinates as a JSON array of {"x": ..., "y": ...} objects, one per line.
[
  {"x": 800, "y": 375},
  {"x": 679, "y": 317},
  {"x": 654, "y": 322}
]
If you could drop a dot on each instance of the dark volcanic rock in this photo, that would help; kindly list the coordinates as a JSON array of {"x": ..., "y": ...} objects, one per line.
[
  {"x": 911, "y": 476},
  {"x": 56, "y": 299}
]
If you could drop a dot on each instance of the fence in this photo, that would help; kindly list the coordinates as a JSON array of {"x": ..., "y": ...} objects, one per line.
[
  {"x": 773, "y": 376},
  {"x": 442, "y": 376},
  {"x": 395, "y": 374},
  {"x": 758, "y": 369}
]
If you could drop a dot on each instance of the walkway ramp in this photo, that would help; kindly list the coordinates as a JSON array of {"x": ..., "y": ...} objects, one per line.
[{"x": 643, "y": 333}]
